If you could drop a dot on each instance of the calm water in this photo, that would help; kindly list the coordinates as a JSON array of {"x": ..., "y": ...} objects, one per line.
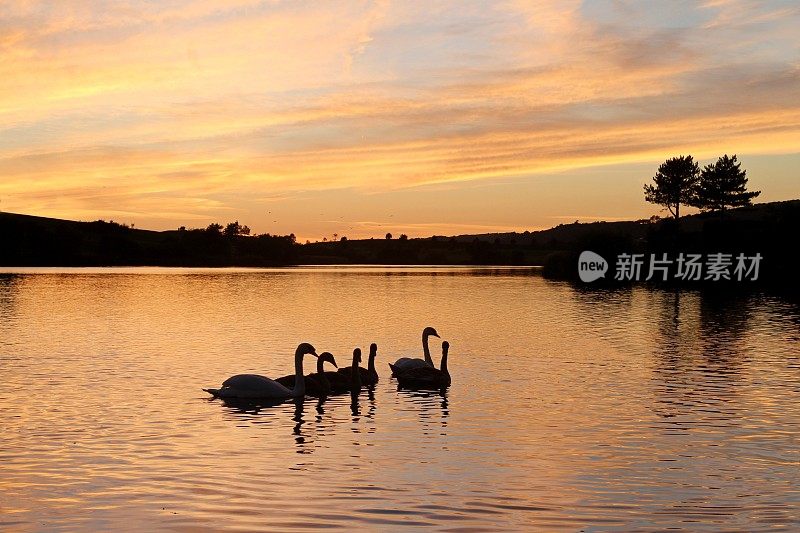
[{"x": 570, "y": 410}]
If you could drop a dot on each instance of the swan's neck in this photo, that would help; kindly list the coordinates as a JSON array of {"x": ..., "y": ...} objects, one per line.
[
  {"x": 371, "y": 364},
  {"x": 299, "y": 381},
  {"x": 444, "y": 364},
  {"x": 355, "y": 376},
  {"x": 425, "y": 351},
  {"x": 321, "y": 377}
]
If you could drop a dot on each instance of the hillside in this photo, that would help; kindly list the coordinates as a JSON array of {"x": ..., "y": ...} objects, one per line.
[
  {"x": 37, "y": 241},
  {"x": 766, "y": 225},
  {"x": 768, "y": 228}
]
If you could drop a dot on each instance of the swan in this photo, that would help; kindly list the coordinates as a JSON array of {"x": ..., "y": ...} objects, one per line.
[
  {"x": 355, "y": 375},
  {"x": 407, "y": 363},
  {"x": 369, "y": 376},
  {"x": 427, "y": 377},
  {"x": 347, "y": 382},
  {"x": 316, "y": 384},
  {"x": 254, "y": 387}
]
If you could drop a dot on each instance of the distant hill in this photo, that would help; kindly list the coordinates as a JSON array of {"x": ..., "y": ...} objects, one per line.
[
  {"x": 764, "y": 227},
  {"x": 580, "y": 231},
  {"x": 37, "y": 241},
  {"x": 560, "y": 233},
  {"x": 769, "y": 228}
]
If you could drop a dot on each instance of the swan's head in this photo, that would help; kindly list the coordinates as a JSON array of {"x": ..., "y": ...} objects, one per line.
[
  {"x": 357, "y": 355},
  {"x": 328, "y": 357},
  {"x": 305, "y": 348},
  {"x": 429, "y": 331},
  {"x": 373, "y": 350},
  {"x": 445, "y": 347}
]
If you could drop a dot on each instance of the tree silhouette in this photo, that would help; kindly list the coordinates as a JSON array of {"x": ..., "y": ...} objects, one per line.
[
  {"x": 388, "y": 236},
  {"x": 403, "y": 237},
  {"x": 723, "y": 184},
  {"x": 234, "y": 228},
  {"x": 674, "y": 184}
]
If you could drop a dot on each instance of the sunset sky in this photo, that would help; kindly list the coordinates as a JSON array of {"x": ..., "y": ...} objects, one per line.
[{"x": 359, "y": 118}]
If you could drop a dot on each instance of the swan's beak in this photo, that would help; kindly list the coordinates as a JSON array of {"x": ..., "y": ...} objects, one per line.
[
  {"x": 314, "y": 354},
  {"x": 334, "y": 364}
]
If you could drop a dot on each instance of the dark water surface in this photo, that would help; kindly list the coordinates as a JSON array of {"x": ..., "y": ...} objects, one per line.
[{"x": 570, "y": 410}]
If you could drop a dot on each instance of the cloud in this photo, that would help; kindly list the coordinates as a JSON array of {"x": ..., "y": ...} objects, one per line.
[{"x": 204, "y": 105}]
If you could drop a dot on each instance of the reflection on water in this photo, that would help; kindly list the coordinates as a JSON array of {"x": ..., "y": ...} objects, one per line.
[{"x": 624, "y": 409}]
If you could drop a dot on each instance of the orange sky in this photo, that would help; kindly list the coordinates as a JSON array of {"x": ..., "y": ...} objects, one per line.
[{"x": 359, "y": 118}]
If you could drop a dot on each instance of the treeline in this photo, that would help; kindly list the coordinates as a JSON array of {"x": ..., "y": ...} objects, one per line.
[
  {"x": 764, "y": 229},
  {"x": 37, "y": 241},
  {"x": 231, "y": 245},
  {"x": 430, "y": 251}
]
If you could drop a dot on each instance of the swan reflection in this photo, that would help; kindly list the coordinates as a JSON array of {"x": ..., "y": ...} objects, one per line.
[
  {"x": 430, "y": 403},
  {"x": 266, "y": 413},
  {"x": 354, "y": 407}
]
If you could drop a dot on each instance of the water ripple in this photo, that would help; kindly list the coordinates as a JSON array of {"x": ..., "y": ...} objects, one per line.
[{"x": 623, "y": 410}]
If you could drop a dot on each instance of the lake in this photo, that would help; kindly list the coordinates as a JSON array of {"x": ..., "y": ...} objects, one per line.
[{"x": 633, "y": 409}]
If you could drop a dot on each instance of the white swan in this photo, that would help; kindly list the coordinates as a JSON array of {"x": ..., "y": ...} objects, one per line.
[
  {"x": 407, "y": 363},
  {"x": 255, "y": 387}
]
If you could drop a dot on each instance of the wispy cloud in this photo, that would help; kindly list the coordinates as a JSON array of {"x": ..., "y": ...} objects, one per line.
[{"x": 188, "y": 110}]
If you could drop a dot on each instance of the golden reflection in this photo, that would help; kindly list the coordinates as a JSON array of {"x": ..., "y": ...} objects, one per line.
[{"x": 568, "y": 406}]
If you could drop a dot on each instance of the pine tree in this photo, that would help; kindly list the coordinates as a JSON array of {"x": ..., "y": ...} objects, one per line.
[
  {"x": 674, "y": 184},
  {"x": 723, "y": 184}
]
